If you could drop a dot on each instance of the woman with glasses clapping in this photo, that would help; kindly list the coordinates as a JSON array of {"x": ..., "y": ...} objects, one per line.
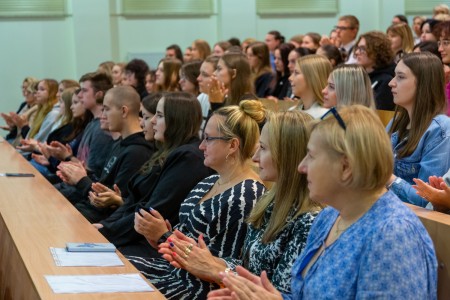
[{"x": 216, "y": 207}]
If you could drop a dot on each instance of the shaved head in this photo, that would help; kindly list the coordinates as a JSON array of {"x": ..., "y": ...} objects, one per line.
[{"x": 125, "y": 96}]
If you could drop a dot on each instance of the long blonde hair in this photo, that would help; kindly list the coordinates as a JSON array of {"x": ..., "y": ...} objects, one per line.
[
  {"x": 44, "y": 109},
  {"x": 316, "y": 69},
  {"x": 288, "y": 137}
]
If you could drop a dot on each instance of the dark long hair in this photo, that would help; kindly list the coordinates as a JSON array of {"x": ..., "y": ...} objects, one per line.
[
  {"x": 429, "y": 101},
  {"x": 183, "y": 117}
]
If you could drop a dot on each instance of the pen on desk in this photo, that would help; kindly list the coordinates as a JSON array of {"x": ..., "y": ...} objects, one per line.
[
  {"x": 374, "y": 84},
  {"x": 16, "y": 175}
]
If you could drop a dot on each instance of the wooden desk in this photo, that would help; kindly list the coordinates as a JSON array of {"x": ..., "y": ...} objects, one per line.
[
  {"x": 34, "y": 217},
  {"x": 438, "y": 227}
]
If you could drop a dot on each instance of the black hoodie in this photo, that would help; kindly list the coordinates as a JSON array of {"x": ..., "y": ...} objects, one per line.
[
  {"x": 126, "y": 158},
  {"x": 380, "y": 78}
]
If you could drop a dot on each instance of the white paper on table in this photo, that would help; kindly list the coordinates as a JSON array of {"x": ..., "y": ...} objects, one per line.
[
  {"x": 64, "y": 258},
  {"x": 113, "y": 283}
]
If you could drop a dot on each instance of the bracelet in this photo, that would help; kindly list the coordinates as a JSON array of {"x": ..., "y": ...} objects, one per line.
[{"x": 164, "y": 237}]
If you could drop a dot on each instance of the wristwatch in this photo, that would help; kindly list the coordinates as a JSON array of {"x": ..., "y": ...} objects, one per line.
[
  {"x": 68, "y": 158},
  {"x": 164, "y": 237}
]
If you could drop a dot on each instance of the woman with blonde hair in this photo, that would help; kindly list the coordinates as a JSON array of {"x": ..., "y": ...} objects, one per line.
[
  {"x": 308, "y": 80},
  {"x": 402, "y": 40},
  {"x": 217, "y": 206},
  {"x": 348, "y": 85},
  {"x": 117, "y": 73},
  {"x": 420, "y": 131},
  {"x": 168, "y": 75},
  {"x": 47, "y": 110},
  {"x": 279, "y": 224},
  {"x": 365, "y": 237},
  {"x": 200, "y": 49},
  {"x": 259, "y": 59}
]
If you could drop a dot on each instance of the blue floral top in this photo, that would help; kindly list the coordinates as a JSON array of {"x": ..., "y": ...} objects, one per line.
[
  {"x": 382, "y": 256},
  {"x": 431, "y": 157}
]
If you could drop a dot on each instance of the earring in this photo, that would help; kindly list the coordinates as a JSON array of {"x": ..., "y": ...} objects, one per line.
[{"x": 226, "y": 158}]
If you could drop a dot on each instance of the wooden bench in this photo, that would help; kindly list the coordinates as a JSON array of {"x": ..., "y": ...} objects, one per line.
[
  {"x": 438, "y": 227},
  {"x": 385, "y": 116},
  {"x": 35, "y": 217},
  {"x": 280, "y": 105}
]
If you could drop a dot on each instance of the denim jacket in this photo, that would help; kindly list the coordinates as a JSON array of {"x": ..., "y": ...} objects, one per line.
[{"x": 431, "y": 157}]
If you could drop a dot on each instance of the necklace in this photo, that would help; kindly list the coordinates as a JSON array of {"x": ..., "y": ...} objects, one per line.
[{"x": 338, "y": 230}]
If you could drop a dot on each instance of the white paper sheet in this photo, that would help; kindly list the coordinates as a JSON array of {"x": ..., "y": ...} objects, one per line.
[
  {"x": 114, "y": 283},
  {"x": 63, "y": 258}
]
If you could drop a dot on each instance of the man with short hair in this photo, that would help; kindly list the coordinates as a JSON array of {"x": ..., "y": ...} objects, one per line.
[
  {"x": 347, "y": 31},
  {"x": 121, "y": 107},
  {"x": 95, "y": 143},
  {"x": 273, "y": 40},
  {"x": 174, "y": 51}
]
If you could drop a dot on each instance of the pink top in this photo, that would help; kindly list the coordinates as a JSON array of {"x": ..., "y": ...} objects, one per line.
[{"x": 448, "y": 99}]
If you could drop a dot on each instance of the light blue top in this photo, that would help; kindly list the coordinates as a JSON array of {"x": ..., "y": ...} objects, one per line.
[
  {"x": 386, "y": 254},
  {"x": 48, "y": 124},
  {"x": 431, "y": 157}
]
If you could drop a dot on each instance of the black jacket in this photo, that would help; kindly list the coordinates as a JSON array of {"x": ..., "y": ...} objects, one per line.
[
  {"x": 163, "y": 188},
  {"x": 264, "y": 85},
  {"x": 381, "y": 77}
]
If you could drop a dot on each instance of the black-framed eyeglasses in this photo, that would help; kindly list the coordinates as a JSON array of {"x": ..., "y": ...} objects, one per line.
[
  {"x": 338, "y": 117},
  {"x": 208, "y": 139}
]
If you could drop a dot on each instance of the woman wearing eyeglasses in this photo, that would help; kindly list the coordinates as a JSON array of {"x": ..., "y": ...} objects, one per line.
[
  {"x": 420, "y": 132},
  {"x": 280, "y": 222},
  {"x": 216, "y": 207},
  {"x": 366, "y": 244},
  {"x": 373, "y": 52}
]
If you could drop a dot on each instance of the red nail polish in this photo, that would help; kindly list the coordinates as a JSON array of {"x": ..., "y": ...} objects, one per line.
[
  {"x": 174, "y": 254},
  {"x": 169, "y": 239}
]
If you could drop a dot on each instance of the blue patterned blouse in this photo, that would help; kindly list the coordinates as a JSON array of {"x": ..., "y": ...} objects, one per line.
[{"x": 386, "y": 254}]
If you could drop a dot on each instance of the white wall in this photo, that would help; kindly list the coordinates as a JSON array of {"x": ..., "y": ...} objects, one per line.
[{"x": 94, "y": 32}]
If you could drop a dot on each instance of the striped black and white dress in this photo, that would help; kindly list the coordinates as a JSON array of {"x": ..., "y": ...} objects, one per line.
[{"x": 220, "y": 219}]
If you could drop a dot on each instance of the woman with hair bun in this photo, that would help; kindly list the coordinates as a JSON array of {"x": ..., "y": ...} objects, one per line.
[
  {"x": 279, "y": 224},
  {"x": 217, "y": 207}
]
